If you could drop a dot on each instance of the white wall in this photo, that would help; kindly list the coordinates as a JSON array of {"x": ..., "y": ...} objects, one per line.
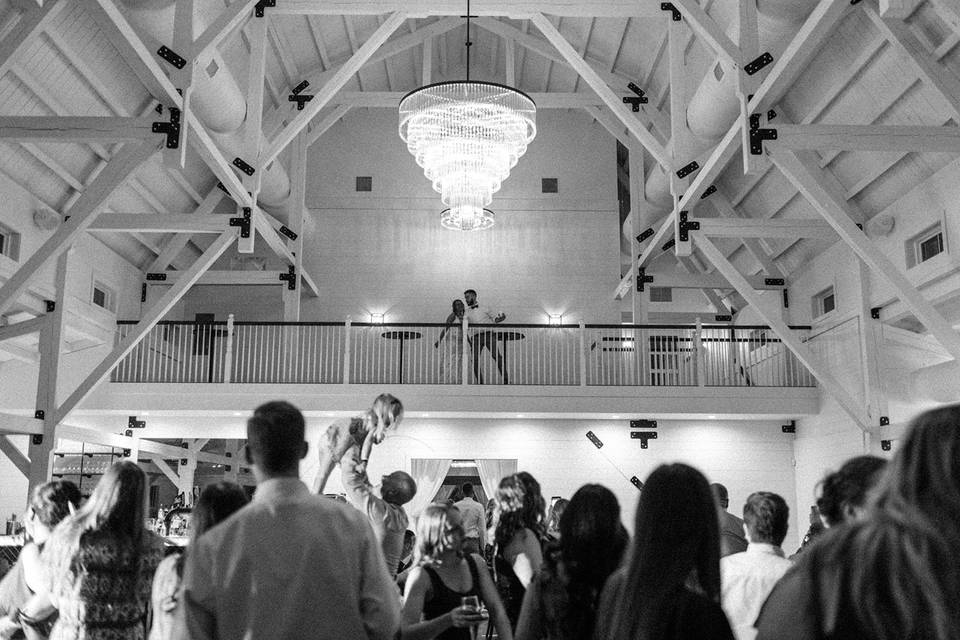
[
  {"x": 13, "y": 484},
  {"x": 744, "y": 456}
]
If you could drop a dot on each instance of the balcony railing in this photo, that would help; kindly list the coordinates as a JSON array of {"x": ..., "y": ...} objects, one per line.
[{"x": 432, "y": 354}]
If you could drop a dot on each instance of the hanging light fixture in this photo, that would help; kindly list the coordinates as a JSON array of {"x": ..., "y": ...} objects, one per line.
[{"x": 467, "y": 136}]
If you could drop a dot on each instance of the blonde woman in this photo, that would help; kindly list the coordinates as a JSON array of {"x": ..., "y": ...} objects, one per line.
[
  {"x": 362, "y": 431},
  {"x": 444, "y": 582},
  {"x": 451, "y": 337}
]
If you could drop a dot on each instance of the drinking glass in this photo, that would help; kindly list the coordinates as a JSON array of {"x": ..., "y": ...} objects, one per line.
[{"x": 472, "y": 604}]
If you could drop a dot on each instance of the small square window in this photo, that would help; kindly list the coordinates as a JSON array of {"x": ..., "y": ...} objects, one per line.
[
  {"x": 549, "y": 185},
  {"x": 104, "y": 296},
  {"x": 364, "y": 183},
  {"x": 824, "y": 302},
  {"x": 924, "y": 246},
  {"x": 9, "y": 243},
  {"x": 661, "y": 294}
]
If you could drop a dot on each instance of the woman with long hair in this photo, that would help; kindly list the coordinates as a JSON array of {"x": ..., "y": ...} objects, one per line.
[
  {"x": 50, "y": 503},
  {"x": 843, "y": 493},
  {"x": 553, "y": 518},
  {"x": 517, "y": 539},
  {"x": 451, "y": 338},
  {"x": 216, "y": 503},
  {"x": 444, "y": 581},
  {"x": 894, "y": 573},
  {"x": 99, "y": 564},
  {"x": 561, "y": 602},
  {"x": 669, "y": 588}
]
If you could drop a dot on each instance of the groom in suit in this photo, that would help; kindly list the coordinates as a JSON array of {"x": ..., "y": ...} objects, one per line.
[{"x": 483, "y": 338}]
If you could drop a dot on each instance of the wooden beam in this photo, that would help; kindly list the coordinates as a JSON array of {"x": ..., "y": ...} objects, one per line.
[
  {"x": 869, "y": 138},
  {"x": 253, "y": 124},
  {"x": 75, "y": 129},
  {"x": 120, "y": 167},
  {"x": 833, "y": 210},
  {"x": 151, "y": 317},
  {"x": 160, "y": 223},
  {"x": 23, "y": 328},
  {"x": 225, "y": 278},
  {"x": 20, "y": 425},
  {"x": 725, "y": 208},
  {"x": 899, "y": 9},
  {"x": 27, "y": 30},
  {"x": 511, "y": 8},
  {"x": 213, "y": 158},
  {"x": 775, "y": 228},
  {"x": 806, "y": 356},
  {"x": 390, "y": 99},
  {"x": 229, "y": 19},
  {"x": 166, "y": 470},
  {"x": 697, "y": 280},
  {"x": 677, "y": 33},
  {"x": 332, "y": 87},
  {"x": 20, "y": 461},
  {"x": 709, "y": 31},
  {"x": 326, "y": 122},
  {"x": 613, "y": 102}
]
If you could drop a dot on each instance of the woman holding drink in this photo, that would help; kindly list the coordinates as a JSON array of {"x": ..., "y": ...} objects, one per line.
[{"x": 445, "y": 589}]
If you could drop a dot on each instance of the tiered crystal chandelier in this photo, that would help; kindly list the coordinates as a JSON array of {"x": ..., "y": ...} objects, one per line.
[{"x": 467, "y": 136}]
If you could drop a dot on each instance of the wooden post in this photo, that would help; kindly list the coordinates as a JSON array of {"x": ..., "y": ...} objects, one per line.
[
  {"x": 698, "y": 351},
  {"x": 467, "y": 354},
  {"x": 228, "y": 352},
  {"x": 583, "y": 354},
  {"x": 347, "y": 354}
]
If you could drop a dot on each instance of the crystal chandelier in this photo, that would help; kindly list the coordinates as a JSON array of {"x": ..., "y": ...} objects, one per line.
[{"x": 467, "y": 135}]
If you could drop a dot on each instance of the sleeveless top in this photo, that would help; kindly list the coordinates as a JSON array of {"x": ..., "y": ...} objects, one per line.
[
  {"x": 510, "y": 588},
  {"x": 444, "y": 599}
]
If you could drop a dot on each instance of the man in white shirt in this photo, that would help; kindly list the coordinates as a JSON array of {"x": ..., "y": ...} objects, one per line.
[
  {"x": 290, "y": 564},
  {"x": 483, "y": 338},
  {"x": 474, "y": 521},
  {"x": 748, "y": 577},
  {"x": 385, "y": 511}
]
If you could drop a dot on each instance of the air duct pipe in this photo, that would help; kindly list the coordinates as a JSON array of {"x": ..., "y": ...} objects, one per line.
[
  {"x": 714, "y": 106},
  {"x": 217, "y": 100}
]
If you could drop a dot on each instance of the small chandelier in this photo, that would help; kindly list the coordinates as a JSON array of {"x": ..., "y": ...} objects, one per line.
[{"x": 467, "y": 136}]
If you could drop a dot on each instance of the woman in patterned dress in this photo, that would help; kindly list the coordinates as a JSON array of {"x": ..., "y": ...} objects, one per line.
[{"x": 99, "y": 564}]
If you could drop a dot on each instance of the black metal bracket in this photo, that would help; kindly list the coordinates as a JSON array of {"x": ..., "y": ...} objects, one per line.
[
  {"x": 757, "y": 64},
  {"x": 687, "y": 226},
  {"x": 263, "y": 4},
  {"x": 669, "y": 244},
  {"x": 172, "y": 57},
  {"x": 634, "y": 102},
  {"x": 786, "y": 299},
  {"x": 290, "y": 233},
  {"x": 171, "y": 128},
  {"x": 668, "y": 6},
  {"x": 39, "y": 414},
  {"x": 228, "y": 467},
  {"x": 712, "y": 189},
  {"x": 592, "y": 437},
  {"x": 789, "y": 428},
  {"x": 642, "y": 278},
  {"x": 128, "y": 433},
  {"x": 37, "y": 439},
  {"x": 184, "y": 460},
  {"x": 635, "y": 481},
  {"x": 242, "y": 222},
  {"x": 643, "y": 424},
  {"x": 300, "y": 99},
  {"x": 875, "y": 312},
  {"x": 884, "y": 421},
  {"x": 774, "y": 282},
  {"x": 239, "y": 163},
  {"x": 646, "y": 234},
  {"x": 133, "y": 423},
  {"x": 723, "y": 318},
  {"x": 290, "y": 277},
  {"x": 644, "y": 437},
  {"x": 50, "y": 306},
  {"x": 758, "y": 135},
  {"x": 771, "y": 115},
  {"x": 886, "y": 445},
  {"x": 160, "y": 277},
  {"x": 686, "y": 170},
  {"x": 143, "y": 292}
]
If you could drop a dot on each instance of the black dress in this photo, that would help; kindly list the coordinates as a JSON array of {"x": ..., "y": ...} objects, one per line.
[{"x": 444, "y": 599}]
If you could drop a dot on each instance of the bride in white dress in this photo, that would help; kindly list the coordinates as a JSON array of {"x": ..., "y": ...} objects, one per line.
[{"x": 451, "y": 343}]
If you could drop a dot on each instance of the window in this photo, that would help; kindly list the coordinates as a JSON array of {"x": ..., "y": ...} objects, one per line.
[
  {"x": 925, "y": 246},
  {"x": 661, "y": 294},
  {"x": 824, "y": 302},
  {"x": 9, "y": 243},
  {"x": 364, "y": 183},
  {"x": 549, "y": 185},
  {"x": 104, "y": 296}
]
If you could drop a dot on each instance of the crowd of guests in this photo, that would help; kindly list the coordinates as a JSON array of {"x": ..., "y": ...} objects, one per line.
[{"x": 293, "y": 564}]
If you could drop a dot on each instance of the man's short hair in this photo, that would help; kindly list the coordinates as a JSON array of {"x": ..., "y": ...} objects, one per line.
[
  {"x": 276, "y": 433},
  {"x": 767, "y": 517},
  {"x": 399, "y": 488},
  {"x": 467, "y": 489},
  {"x": 473, "y": 291},
  {"x": 720, "y": 494}
]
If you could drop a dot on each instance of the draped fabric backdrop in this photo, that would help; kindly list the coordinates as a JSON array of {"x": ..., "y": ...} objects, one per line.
[
  {"x": 492, "y": 471},
  {"x": 429, "y": 474}
]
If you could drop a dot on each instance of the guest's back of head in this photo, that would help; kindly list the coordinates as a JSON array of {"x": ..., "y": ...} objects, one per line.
[
  {"x": 117, "y": 505},
  {"x": 519, "y": 506},
  {"x": 843, "y": 493},
  {"x": 53, "y": 501},
  {"x": 275, "y": 438},
  {"x": 766, "y": 516}
]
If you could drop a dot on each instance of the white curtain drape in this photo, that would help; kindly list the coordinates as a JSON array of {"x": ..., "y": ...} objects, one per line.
[
  {"x": 429, "y": 474},
  {"x": 492, "y": 471}
]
